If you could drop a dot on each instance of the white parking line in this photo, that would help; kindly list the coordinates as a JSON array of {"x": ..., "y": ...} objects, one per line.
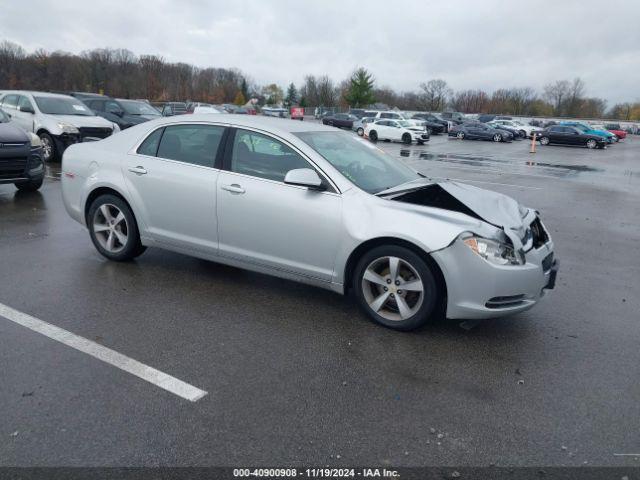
[{"x": 150, "y": 374}]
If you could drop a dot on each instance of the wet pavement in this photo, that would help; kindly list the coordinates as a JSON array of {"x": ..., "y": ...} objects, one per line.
[{"x": 297, "y": 375}]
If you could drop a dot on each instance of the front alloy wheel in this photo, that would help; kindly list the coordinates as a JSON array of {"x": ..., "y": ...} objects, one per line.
[
  {"x": 460, "y": 135},
  {"x": 497, "y": 137},
  {"x": 395, "y": 287},
  {"x": 48, "y": 147},
  {"x": 544, "y": 140},
  {"x": 406, "y": 139},
  {"x": 591, "y": 143},
  {"x": 360, "y": 131}
]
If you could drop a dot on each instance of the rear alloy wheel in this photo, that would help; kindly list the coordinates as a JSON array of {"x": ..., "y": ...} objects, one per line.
[
  {"x": 497, "y": 137},
  {"x": 373, "y": 136},
  {"x": 113, "y": 229},
  {"x": 406, "y": 139},
  {"x": 591, "y": 143},
  {"x": 544, "y": 140},
  {"x": 460, "y": 135},
  {"x": 360, "y": 131},
  {"x": 395, "y": 287},
  {"x": 523, "y": 134}
]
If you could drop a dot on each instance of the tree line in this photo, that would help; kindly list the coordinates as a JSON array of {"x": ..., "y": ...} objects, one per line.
[{"x": 120, "y": 73}]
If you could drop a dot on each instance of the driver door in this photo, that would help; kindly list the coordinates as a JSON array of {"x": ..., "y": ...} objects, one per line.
[{"x": 263, "y": 221}]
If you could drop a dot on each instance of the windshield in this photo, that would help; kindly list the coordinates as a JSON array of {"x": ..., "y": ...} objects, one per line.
[
  {"x": 138, "y": 108},
  {"x": 405, "y": 124},
  {"x": 364, "y": 164},
  {"x": 62, "y": 106}
]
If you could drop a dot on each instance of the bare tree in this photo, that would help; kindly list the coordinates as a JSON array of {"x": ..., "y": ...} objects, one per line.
[
  {"x": 556, "y": 93},
  {"x": 436, "y": 94}
]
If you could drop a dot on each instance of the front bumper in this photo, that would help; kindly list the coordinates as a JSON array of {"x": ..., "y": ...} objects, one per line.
[
  {"x": 30, "y": 168},
  {"x": 477, "y": 289}
]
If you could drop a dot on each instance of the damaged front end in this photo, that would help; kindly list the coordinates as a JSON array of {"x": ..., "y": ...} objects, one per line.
[{"x": 490, "y": 271}]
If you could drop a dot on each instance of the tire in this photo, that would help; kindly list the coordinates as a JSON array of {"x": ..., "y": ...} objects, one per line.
[
  {"x": 544, "y": 140},
  {"x": 360, "y": 131},
  {"x": 420, "y": 142},
  {"x": 591, "y": 143},
  {"x": 406, "y": 139},
  {"x": 117, "y": 240},
  {"x": 31, "y": 186},
  {"x": 460, "y": 135},
  {"x": 497, "y": 137},
  {"x": 330, "y": 123},
  {"x": 523, "y": 134},
  {"x": 373, "y": 275},
  {"x": 373, "y": 136},
  {"x": 49, "y": 151}
]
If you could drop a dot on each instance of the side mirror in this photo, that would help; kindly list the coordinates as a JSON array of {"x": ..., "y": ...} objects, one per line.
[
  {"x": 28, "y": 109},
  {"x": 304, "y": 177}
]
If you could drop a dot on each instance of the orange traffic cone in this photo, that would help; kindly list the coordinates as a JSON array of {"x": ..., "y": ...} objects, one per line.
[{"x": 533, "y": 143}]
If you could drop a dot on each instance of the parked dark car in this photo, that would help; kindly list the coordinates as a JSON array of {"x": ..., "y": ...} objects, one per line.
[
  {"x": 124, "y": 113},
  {"x": 568, "y": 135},
  {"x": 517, "y": 134},
  {"x": 433, "y": 128},
  {"x": 479, "y": 131},
  {"x": 20, "y": 156},
  {"x": 430, "y": 117},
  {"x": 341, "y": 120}
]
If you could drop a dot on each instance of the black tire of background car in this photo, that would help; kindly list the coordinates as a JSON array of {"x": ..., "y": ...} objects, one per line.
[
  {"x": 133, "y": 248},
  {"x": 523, "y": 134},
  {"x": 373, "y": 136},
  {"x": 360, "y": 131},
  {"x": 54, "y": 151},
  {"x": 31, "y": 186},
  {"x": 460, "y": 135},
  {"x": 426, "y": 313},
  {"x": 406, "y": 139}
]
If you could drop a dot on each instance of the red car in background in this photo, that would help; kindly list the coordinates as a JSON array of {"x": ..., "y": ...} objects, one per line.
[
  {"x": 613, "y": 128},
  {"x": 616, "y": 130}
]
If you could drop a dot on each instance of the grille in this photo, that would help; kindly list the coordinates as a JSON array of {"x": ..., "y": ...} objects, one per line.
[
  {"x": 538, "y": 233},
  {"x": 97, "y": 132},
  {"x": 12, "y": 167}
]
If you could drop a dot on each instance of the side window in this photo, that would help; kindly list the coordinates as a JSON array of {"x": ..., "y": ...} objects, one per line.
[
  {"x": 10, "y": 102},
  {"x": 23, "y": 102},
  {"x": 385, "y": 115},
  {"x": 150, "y": 144},
  {"x": 112, "y": 107},
  {"x": 264, "y": 157},
  {"x": 194, "y": 144}
]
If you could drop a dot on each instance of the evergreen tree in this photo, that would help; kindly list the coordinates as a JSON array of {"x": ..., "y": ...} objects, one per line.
[
  {"x": 292, "y": 95},
  {"x": 360, "y": 92}
]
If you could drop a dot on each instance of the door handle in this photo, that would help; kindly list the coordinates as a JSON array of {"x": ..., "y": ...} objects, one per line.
[
  {"x": 233, "y": 188},
  {"x": 138, "y": 170}
]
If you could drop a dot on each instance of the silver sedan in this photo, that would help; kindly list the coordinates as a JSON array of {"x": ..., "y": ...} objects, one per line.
[{"x": 311, "y": 204}]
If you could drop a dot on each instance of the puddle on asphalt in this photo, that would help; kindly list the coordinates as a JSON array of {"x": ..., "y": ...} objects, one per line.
[{"x": 478, "y": 161}]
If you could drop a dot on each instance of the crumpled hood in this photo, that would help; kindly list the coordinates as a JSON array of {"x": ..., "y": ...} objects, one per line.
[{"x": 495, "y": 208}]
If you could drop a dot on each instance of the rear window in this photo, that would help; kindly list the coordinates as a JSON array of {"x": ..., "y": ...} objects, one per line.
[{"x": 193, "y": 144}]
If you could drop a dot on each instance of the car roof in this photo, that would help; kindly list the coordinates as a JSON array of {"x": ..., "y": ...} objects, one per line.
[{"x": 271, "y": 124}]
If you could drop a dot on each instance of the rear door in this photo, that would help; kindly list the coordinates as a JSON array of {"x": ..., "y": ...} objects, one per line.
[{"x": 172, "y": 179}]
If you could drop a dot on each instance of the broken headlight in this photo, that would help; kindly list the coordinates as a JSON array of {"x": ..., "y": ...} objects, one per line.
[{"x": 493, "y": 251}]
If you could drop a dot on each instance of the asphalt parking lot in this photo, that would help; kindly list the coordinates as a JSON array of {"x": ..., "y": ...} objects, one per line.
[{"x": 298, "y": 374}]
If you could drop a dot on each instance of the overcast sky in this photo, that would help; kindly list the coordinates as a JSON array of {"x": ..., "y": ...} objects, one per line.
[{"x": 484, "y": 44}]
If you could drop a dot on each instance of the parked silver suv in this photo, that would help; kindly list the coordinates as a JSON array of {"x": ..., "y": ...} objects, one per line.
[{"x": 59, "y": 120}]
